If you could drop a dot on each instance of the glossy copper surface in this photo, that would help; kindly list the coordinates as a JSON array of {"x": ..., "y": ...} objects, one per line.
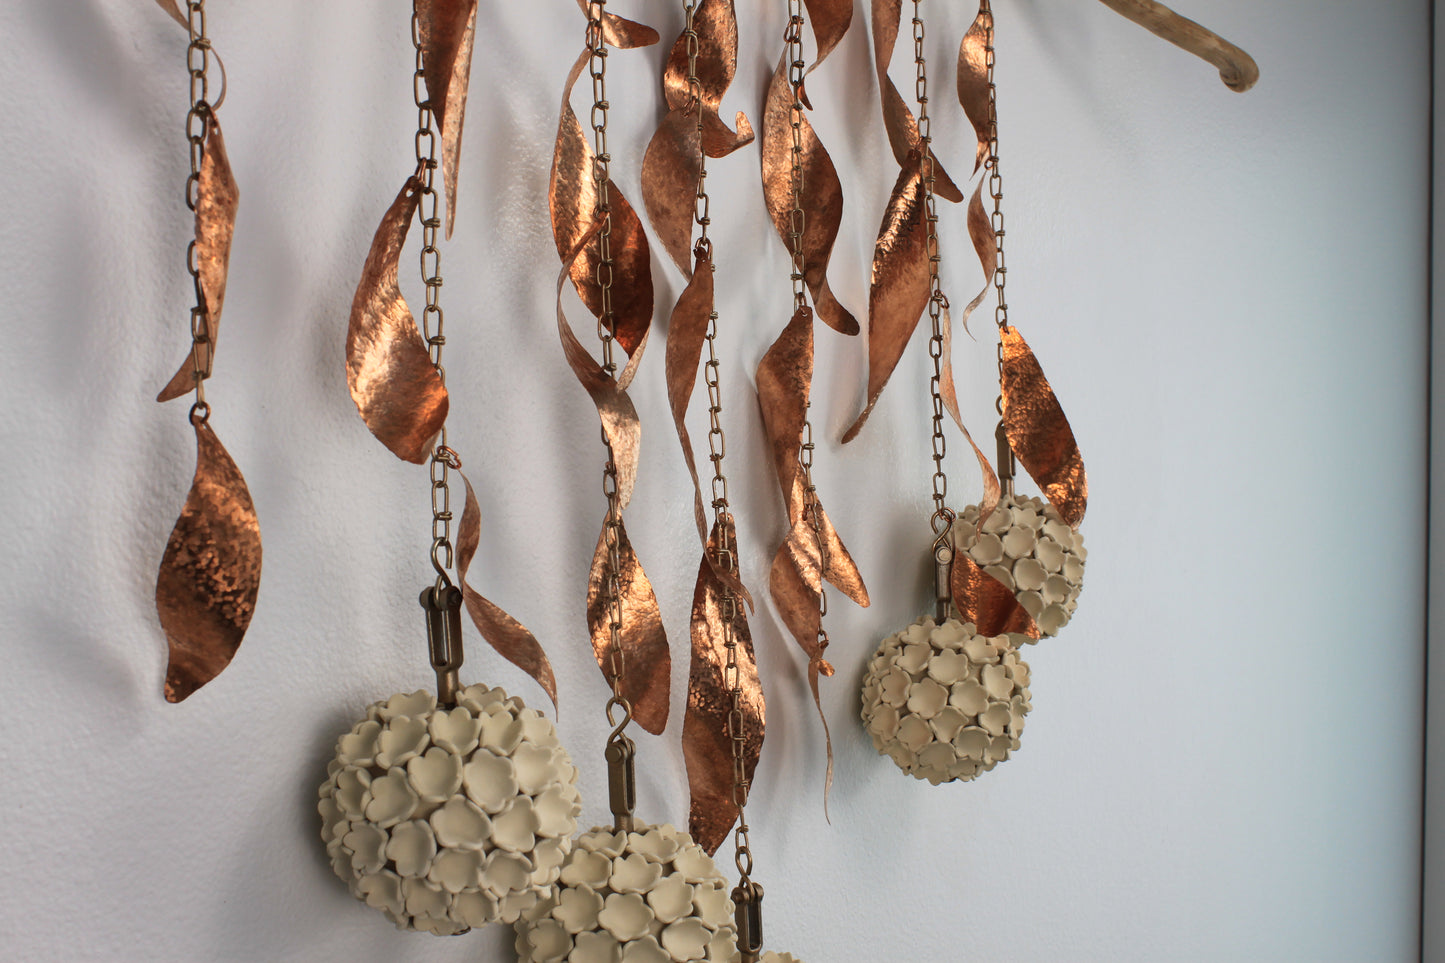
[
  {"x": 626, "y": 34},
  {"x": 646, "y": 680},
  {"x": 830, "y": 20},
  {"x": 669, "y": 184},
  {"x": 1038, "y": 431},
  {"x": 716, "y": 25},
  {"x": 986, "y": 602},
  {"x": 448, "y": 28},
  {"x": 973, "y": 80},
  {"x": 392, "y": 380},
  {"x": 898, "y": 119},
  {"x": 784, "y": 379},
  {"x": 686, "y": 334},
  {"x": 211, "y": 571}
]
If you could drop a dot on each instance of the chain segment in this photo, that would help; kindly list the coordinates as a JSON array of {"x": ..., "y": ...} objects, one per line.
[
  {"x": 1006, "y": 463},
  {"x": 198, "y": 65}
]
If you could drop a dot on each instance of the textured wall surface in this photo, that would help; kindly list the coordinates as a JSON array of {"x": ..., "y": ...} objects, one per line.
[{"x": 1228, "y": 292}]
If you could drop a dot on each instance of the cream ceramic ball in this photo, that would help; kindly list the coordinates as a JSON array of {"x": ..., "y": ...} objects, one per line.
[
  {"x": 648, "y": 896},
  {"x": 446, "y": 819},
  {"x": 1026, "y": 546},
  {"x": 944, "y": 702}
]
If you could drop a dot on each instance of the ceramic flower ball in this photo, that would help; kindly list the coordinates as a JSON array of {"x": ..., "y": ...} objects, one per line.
[
  {"x": 944, "y": 702},
  {"x": 648, "y": 896},
  {"x": 1026, "y": 546},
  {"x": 446, "y": 819}
]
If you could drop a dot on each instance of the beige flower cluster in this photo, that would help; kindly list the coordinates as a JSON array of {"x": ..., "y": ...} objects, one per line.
[
  {"x": 944, "y": 702},
  {"x": 649, "y": 896},
  {"x": 446, "y": 819},
  {"x": 1026, "y": 546}
]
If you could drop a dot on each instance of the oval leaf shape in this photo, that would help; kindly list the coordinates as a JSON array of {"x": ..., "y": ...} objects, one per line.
[
  {"x": 1038, "y": 431},
  {"x": 785, "y": 379},
  {"x": 392, "y": 380},
  {"x": 973, "y": 79},
  {"x": 646, "y": 660},
  {"x": 670, "y": 170},
  {"x": 211, "y": 571}
]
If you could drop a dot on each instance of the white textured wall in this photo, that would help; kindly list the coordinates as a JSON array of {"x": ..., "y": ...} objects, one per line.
[{"x": 1223, "y": 761}]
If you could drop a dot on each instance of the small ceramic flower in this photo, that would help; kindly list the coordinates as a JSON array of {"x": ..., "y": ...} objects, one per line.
[
  {"x": 446, "y": 819},
  {"x": 952, "y": 712},
  {"x": 1026, "y": 546},
  {"x": 651, "y": 896}
]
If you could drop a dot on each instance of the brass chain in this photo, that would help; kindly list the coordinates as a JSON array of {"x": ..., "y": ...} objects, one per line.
[
  {"x": 198, "y": 65},
  {"x": 612, "y": 529},
  {"x": 995, "y": 186},
  {"x": 433, "y": 320}
]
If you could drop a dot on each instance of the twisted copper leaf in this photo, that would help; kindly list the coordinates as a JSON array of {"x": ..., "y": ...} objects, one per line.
[
  {"x": 898, "y": 291},
  {"x": 707, "y": 743},
  {"x": 785, "y": 378},
  {"x": 686, "y": 333},
  {"x": 392, "y": 380},
  {"x": 625, "y": 34},
  {"x": 716, "y": 25},
  {"x": 211, "y": 571},
  {"x": 646, "y": 660},
  {"x": 172, "y": 9},
  {"x": 620, "y": 424},
  {"x": 1039, "y": 432},
  {"x": 830, "y": 20},
  {"x": 217, "y": 198},
  {"x": 973, "y": 80},
  {"x": 822, "y": 195},
  {"x": 448, "y": 28},
  {"x": 801, "y": 546},
  {"x": 505, "y": 634},
  {"x": 986, "y": 602},
  {"x": 797, "y": 606},
  {"x": 670, "y": 171},
  {"x": 898, "y": 119},
  {"x": 573, "y": 202}
]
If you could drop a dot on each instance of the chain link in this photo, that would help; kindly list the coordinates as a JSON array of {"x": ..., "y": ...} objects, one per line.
[
  {"x": 995, "y": 190},
  {"x": 198, "y": 65}
]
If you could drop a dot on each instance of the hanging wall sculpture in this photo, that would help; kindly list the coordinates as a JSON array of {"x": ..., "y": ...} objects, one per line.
[
  {"x": 457, "y": 810},
  {"x": 211, "y": 571}
]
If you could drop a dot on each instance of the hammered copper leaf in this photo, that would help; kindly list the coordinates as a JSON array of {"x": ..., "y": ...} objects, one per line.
[
  {"x": 670, "y": 171},
  {"x": 898, "y": 292},
  {"x": 448, "y": 28},
  {"x": 686, "y": 334},
  {"x": 830, "y": 19},
  {"x": 625, "y": 34},
  {"x": 573, "y": 201},
  {"x": 798, "y": 607},
  {"x": 647, "y": 663},
  {"x": 392, "y": 380},
  {"x": 716, "y": 25},
  {"x": 973, "y": 79},
  {"x": 217, "y": 198},
  {"x": 505, "y": 634},
  {"x": 898, "y": 119},
  {"x": 171, "y": 8},
  {"x": 707, "y": 743},
  {"x": 802, "y": 547},
  {"x": 620, "y": 424},
  {"x": 822, "y": 196},
  {"x": 784, "y": 378},
  {"x": 986, "y": 602},
  {"x": 1038, "y": 431},
  {"x": 211, "y": 571}
]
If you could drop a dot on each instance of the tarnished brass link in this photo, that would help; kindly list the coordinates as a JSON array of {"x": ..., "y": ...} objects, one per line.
[
  {"x": 995, "y": 191},
  {"x": 198, "y": 65},
  {"x": 601, "y": 173}
]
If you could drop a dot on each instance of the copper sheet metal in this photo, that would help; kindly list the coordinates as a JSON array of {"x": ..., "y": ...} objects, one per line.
[
  {"x": 973, "y": 80},
  {"x": 802, "y": 547},
  {"x": 898, "y": 119},
  {"x": 707, "y": 744},
  {"x": 217, "y": 198},
  {"x": 716, "y": 25},
  {"x": 798, "y": 607},
  {"x": 686, "y": 333},
  {"x": 669, "y": 184},
  {"x": 1236, "y": 68},
  {"x": 830, "y": 20},
  {"x": 210, "y": 573},
  {"x": 397, "y": 390},
  {"x": 1038, "y": 431},
  {"x": 448, "y": 28},
  {"x": 647, "y": 662},
  {"x": 986, "y": 602},
  {"x": 170, "y": 7},
  {"x": 573, "y": 201},
  {"x": 822, "y": 196},
  {"x": 898, "y": 291},
  {"x": 505, "y": 634},
  {"x": 626, "y": 34},
  {"x": 784, "y": 378},
  {"x": 620, "y": 424}
]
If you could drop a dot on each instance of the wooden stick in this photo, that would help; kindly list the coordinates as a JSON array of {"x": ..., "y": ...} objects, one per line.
[{"x": 1236, "y": 68}]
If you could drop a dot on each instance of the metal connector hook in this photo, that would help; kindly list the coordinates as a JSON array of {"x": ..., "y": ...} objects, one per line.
[{"x": 443, "y": 605}]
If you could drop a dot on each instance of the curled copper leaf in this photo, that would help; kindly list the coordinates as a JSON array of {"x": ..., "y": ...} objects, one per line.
[
  {"x": 822, "y": 196},
  {"x": 802, "y": 547},
  {"x": 685, "y": 336},
  {"x": 785, "y": 378},
  {"x": 1038, "y": 431},
  {"x": 620, "y": 424},
  {"x": 670, "y": 171},
  {"x": 707, "y": 743},
  {"x": 622, "y": 33},
  {"x": 716, "y": 25},
  {"x": 392, "y": 380},
  {"x": 646, "y": 661},
  {"x": 171, "y": 8},
  {"x": 898, "y": 120},
  {"x": 898, "y": 292},
  {"x": 973, "y": 79},
  {"x": 211, "y": 571},
  {"x": 798, "y": 607},
  {"x": 448, "y": 28},
  {"x": 986, "y": 602},
  {"x": 573, "y": 201},
  {"x": 217, "y": 198},
  {"x": 830, "y": 19},
  {"x": 505, "y": 634}
]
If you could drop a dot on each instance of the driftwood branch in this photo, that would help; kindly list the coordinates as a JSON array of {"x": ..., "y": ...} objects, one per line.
[{"x": 1236, "y": 68}]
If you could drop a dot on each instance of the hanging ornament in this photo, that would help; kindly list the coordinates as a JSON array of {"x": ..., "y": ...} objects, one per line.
[
  {"x": 210, "y": 573},
  {"x": 634, "y": 891},
  {"x": 453, "y": 811}
]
